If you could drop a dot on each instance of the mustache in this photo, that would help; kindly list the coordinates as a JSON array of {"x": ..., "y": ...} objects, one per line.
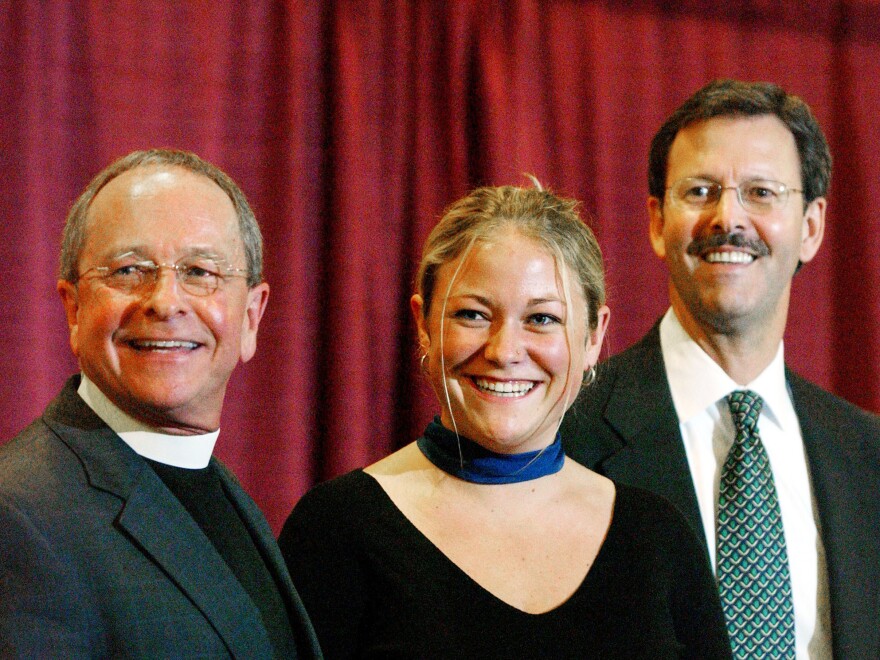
[{"x": 704, "y": 243}]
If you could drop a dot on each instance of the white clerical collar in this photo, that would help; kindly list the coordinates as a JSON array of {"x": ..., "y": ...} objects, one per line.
[
  {"x": 697, "y": 381},
  {"x": 184, "y": 451}
]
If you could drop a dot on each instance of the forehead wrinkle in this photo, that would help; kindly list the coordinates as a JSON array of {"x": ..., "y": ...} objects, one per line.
[
  {"x": 710, "y": 144},
  {"x": 748, "y": 178},
  {"x": 130, "y": 190},
  {"x": 144, "y": 252}
]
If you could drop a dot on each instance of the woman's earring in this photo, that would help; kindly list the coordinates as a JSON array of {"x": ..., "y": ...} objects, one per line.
[
  {"x": 422, "y": 363},
  {"x": 590, "y": 376}
]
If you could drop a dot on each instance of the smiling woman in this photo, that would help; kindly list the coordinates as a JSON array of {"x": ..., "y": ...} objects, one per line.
[
  {"x": 481, "y": 539},
  {"x": 504, "y": 331}
]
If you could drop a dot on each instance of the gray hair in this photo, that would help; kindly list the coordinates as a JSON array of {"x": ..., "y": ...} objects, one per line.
[{"x": 74, "y": 236}]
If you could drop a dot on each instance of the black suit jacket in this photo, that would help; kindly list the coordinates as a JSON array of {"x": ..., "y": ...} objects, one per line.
[
  {"x": 625, "y": 427},
  {"x": 98, "y": 558}
]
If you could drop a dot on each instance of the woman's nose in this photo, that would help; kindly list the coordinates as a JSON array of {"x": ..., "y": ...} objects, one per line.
[{"x": 505, "y": 345}]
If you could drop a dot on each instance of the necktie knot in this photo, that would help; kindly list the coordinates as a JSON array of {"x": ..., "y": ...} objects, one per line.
[{"x": 745, "y": 407}]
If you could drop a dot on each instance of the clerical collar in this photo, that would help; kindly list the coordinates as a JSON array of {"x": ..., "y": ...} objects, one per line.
[
  {"x": 483, "y": 466},
  {"x": 185, "y": 451}
]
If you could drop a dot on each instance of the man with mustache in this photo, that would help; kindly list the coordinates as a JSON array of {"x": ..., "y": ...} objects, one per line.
[
  {"x": 737, "y": 177},
  {"x": 120, "y": 535}
]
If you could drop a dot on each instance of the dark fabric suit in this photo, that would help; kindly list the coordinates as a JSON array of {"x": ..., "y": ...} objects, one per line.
[
  {"x": 98, "y": 558},
  {"x": 625, "y": 427}
]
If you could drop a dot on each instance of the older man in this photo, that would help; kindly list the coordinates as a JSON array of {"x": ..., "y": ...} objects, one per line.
[
  {"x": 778, "y": 476},
  {"x": 120, "y": 535}
]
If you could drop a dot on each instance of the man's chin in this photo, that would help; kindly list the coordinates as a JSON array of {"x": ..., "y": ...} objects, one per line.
[
  {"x": 717, "y": 311},
  {"x": 175, "y": 412},
  {"x": 727, "y": 317}
]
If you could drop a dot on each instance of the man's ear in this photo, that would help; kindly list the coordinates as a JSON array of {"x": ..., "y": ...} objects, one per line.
[
  {"x": 70, "y": 300},
  {"x": 655, "y": 226},
  {"x": 416, "y": 306},
  {"x": 813, "y": 229},
  {"x": 257, "y": 297}
]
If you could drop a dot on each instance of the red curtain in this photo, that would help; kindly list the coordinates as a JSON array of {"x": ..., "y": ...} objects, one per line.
[{"x": 351, "y": 124}]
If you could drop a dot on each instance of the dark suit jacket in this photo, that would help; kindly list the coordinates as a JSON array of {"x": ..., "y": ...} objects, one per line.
[
  {"x": 625, "y": 427},
  {"x": 98, "y": 558}
]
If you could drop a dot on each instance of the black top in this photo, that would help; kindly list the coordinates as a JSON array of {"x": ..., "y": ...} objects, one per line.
[{"x": 375, "y": 586}]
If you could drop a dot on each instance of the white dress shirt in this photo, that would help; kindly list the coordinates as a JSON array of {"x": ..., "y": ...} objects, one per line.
[
  {"x": 699, "y": 390},
  {"x": 186, "y": 451}
]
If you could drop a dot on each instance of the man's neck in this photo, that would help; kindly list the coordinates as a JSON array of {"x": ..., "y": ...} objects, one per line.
[
  {"x": 743, "y": 352},
  {"x": 190, "y": 451}
]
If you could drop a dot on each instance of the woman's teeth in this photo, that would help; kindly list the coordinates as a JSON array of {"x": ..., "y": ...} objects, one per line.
[{"x": 506, "y": 389}]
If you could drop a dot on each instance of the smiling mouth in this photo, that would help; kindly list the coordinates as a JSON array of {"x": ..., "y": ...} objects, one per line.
[
  {"x": 162, "y": 345},
  {"x": 745, "y": 250},
  {"x": 507, "y": 389},
  {"x": 729, "y": 257}
]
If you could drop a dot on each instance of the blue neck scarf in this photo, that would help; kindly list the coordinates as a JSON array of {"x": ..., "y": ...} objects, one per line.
[{"x": 483, "y": 466}]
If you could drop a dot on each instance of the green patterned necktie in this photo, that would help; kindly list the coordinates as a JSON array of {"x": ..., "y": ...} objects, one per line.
[{"x": 752, "y": 561}]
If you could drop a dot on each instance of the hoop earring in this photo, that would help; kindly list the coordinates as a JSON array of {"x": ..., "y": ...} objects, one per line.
[
  {"x": 422, "y": 364},
  {"x": 589, "y": 376}
]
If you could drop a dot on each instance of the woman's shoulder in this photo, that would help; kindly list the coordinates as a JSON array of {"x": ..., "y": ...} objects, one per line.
[
  {"x": 335, "y": 511},
  {"x": 635, "y": 501},
  {"x": 651, "y": 517},
  {"x": 644, "y": 500},
  {"x": 352, "y": 487}
]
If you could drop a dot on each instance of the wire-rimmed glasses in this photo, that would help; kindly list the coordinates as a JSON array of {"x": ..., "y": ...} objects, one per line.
[
  {"x": 197, "y": 275},
  {"x": 755, "y": 195}
]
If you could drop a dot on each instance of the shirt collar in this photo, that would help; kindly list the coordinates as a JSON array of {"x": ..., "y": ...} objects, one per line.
[
  {"x": 184, "y": 451},
  {"x": 697, "y": 381}
]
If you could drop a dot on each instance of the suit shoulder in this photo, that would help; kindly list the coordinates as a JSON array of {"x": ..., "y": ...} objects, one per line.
[
  {"x": 823, "y": 404},
  {"x": 629, "y": 391},
  {"x": 33, "y": 460},
  {"x": 827, "y": 416},
  {"x": 593, "y": 397}
]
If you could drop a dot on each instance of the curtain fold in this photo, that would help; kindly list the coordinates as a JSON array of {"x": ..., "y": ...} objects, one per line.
[{"x": 351, "y": 124}]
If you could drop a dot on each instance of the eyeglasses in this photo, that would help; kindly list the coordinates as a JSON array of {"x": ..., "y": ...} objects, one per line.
[
  {"x": 199, "y": 276},
  {"x": 756, "y": 195}
]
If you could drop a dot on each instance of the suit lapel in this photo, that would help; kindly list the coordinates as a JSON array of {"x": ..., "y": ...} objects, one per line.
[
  {"x": 641, "y": 411},
  {"x": 159, "y": 525},
  {"x": 261, "y": 533},
  {"x": 845, "y": 488},
  {"x": 167, "y": 533}
]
